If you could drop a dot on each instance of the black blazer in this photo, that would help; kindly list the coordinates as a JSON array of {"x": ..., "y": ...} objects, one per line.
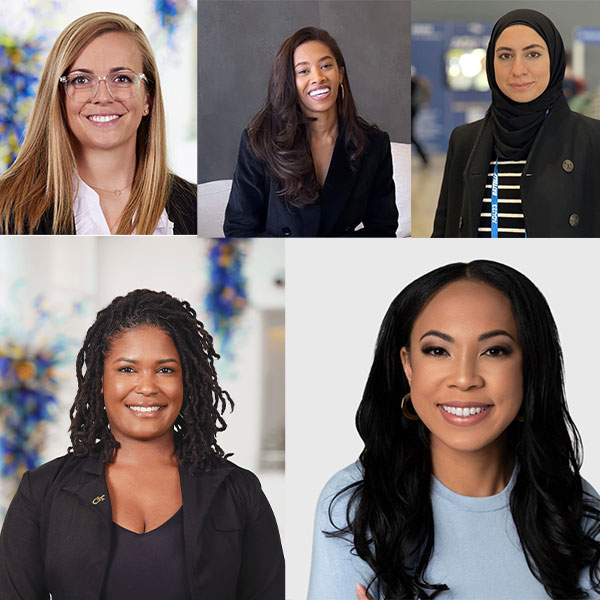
[
  {"x": 56, "y": 534},
  {"x": 182, "y": 210},
  {"x": 349, "y": 197},
  {"x": 560, "y": 185}
]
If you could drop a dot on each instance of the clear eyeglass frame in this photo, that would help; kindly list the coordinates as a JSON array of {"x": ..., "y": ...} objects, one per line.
[{"x": 85, "y": 94}]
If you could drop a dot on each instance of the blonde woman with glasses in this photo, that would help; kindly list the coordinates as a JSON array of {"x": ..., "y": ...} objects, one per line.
[{"x": 94, "y": 157}]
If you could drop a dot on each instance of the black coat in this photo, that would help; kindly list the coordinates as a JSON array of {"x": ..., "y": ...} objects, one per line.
[
  {"x": 56, "y": 534},
  {"x": 560, "y": 185},
  {"x": 348, "y": 198},
  {"x": 182, "y": 210}
]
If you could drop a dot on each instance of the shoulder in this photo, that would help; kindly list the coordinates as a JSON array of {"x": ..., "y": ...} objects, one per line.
[
  {"x": 65, "y": 469},
  {"x": 182, "y": 191},
  {"x": 376, "y": 136},
  {"x": 580, "y": 123},
  {"x": 182, "y": 206},
  {"x": 337, "y": 493},
  {"x": 467, "y": 132}
]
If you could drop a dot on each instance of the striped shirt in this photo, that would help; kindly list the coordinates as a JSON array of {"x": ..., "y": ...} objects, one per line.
[{"x": 511, "y": 222}]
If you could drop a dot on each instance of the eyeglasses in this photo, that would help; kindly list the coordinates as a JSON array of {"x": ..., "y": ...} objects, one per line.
[{"x": 121, "y": 85}]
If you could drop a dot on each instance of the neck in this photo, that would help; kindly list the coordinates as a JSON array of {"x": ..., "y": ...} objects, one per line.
[
  {"x": 112, "y": 169},
  {"x": 159, "y": 452},
  {"x": 326, "y": 126},
  {"x": 481, "y": 473}
]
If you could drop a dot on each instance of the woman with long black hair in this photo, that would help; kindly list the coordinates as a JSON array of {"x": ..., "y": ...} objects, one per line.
[
  {"x": 468, "y": 485},
  {"x": 527, "y": 169},
  {"x": 308, "y": 164}
]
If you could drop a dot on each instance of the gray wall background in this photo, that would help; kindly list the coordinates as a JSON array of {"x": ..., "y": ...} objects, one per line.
[
  {"x": 565, "y": 14},
  {"x": 238, "y": 39}
]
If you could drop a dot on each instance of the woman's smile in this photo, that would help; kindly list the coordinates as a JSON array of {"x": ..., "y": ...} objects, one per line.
[
  {"x": 318, "y": 78},
  {"x": 102, "y": 122},
  {"x": 464, "y": 366},
  {"x": 521, "y": 63},
  {"x": 142, "y": 384}
]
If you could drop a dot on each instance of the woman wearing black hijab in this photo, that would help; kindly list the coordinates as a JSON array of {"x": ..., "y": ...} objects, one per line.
[{"x": 528, "y": 169}]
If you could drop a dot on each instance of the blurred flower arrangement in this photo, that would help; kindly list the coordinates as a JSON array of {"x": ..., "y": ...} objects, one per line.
[
  {"x": 170, "y": 14},
  {"x": 19, "y": 71},
  {"x": 226, "y": 297},
  {"x": 25, "y": 31},
  {"x": 33, "y": 347}
]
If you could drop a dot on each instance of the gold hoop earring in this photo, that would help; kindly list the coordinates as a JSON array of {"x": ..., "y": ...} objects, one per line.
[
  {"x": 405, "y": 411},
  {"x": 342, "y": 86},
  {"x": 520, "y": 419}
]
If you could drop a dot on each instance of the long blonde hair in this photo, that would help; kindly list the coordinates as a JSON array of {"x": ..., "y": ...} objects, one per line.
[{"x": 41, "y": 177}]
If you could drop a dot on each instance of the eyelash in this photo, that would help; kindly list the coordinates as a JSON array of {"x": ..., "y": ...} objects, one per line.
[
  {"x": 326, "y": 66},
  {"x": 164, "y": 370},
  {"x": 507, "y": 56},
  {"x": 492, "y": 352}
]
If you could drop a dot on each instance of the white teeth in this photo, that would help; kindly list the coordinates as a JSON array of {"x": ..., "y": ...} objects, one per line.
[
  {"x": 318, "y": 92},
  {"x": 103, "y": 118},
  {"x": 464, "y": 412},
  {"x": 145, "y": 408}
]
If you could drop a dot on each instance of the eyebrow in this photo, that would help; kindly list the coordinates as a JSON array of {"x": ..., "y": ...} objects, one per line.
[
  {"x": 113, "y": 70},
  {"x": 134, "y": 362},
  {"x": 305, "y": 62},
  {"x": 531, "y": 46},
  {"x": 484, "y": 336}
]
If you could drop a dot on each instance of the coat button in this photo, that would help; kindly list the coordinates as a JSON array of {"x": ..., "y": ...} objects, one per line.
[
  {"x": 568, "y": 165},
  {"x": 460, "y": 222},
  {"x": 574, "y": 220},
  {"x": 287, "y": 231}
]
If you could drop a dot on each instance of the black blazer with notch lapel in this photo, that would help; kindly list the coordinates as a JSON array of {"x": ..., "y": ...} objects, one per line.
[
  {"x": 56, "y": 535},
  {"x": 560, "y": 185},
  {"x": 348, "y": 198}
]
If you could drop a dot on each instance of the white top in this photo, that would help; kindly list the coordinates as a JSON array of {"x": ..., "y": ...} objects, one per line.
[{"x": 89, "y": 218}]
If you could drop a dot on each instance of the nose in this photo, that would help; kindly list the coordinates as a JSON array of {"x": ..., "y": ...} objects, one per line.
[
  {"x": 519, "y": 67},
  {"x": 465, "y": 375},
  {"x": 146, "y": 385},
  {"x": 102, "y": 94},
  {"x": 316, "y": 75}
]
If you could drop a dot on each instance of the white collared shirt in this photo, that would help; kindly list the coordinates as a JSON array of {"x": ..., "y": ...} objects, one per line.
[{"x": 89, "y": 218}]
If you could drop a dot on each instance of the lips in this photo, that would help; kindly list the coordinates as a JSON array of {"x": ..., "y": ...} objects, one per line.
[
  {"x": 465, "y": 414},
  {"x": 521, "y": 86},
  {"x": 103, "y": 118},
  {"x": 320, "y": 92},
  {"x": 145, "y": 410}
]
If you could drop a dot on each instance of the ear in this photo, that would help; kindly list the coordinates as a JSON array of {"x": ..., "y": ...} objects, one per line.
[
  {"x": 147, "y": 103},
  {"x": 405, "y": 358},
  {"x": 342, "y": 72}
]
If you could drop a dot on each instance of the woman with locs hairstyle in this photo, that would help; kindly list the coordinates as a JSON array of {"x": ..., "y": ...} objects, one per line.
[
  {"x": 308, "y": 164},
  {"x": 145, "y": 504},
  {"x": 94, "y": 158},
  {"x": 469, "y": 478},
  {"x": 527, "y": 169}
]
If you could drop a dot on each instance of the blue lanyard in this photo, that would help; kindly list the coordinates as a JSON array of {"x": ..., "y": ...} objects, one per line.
[
  {"x": 495, "y": 201},
  {"x": 494, "y": 209}
]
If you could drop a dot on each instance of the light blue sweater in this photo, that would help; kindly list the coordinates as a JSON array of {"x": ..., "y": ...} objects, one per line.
[{"x": 477, "y": 552}]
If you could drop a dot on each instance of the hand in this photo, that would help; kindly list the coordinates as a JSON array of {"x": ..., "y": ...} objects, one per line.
[{"x": 361, "y": 592}]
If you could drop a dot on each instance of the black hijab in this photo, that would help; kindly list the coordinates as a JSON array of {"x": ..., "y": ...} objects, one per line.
[{"x": 515, "y": 124}]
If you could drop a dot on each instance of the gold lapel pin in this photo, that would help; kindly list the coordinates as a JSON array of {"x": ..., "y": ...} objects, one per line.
[{"x": 98, "y": 499}]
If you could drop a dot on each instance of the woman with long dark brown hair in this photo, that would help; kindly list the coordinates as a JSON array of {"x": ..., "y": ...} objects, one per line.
[{"x": 308, "y": 164}]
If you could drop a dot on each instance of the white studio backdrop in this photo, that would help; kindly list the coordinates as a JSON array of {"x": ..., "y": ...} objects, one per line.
[
  {"x": 176, "y": 63},
  {"x": 65, "y": 269},
  {"x": 337, "y": 294}
]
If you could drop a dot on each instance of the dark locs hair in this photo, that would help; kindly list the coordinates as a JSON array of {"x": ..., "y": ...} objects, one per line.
[
  {"x": 389, "y": 515},
  {"x": 278, "y": 133},
  {"x": 204, "y": 402}
]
